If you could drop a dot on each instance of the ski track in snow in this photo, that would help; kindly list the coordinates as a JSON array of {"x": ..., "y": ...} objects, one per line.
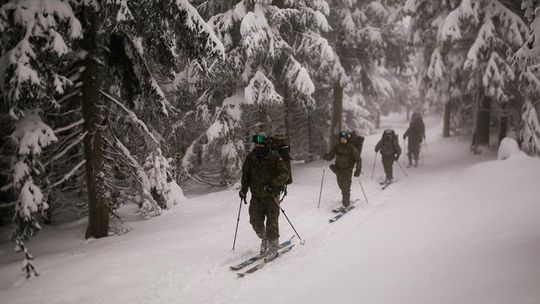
[{"x": 436, "y": 236}]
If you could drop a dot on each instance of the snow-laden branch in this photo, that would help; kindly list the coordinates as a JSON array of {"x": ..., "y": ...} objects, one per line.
[
  {"x": 69, "y": 174},
  {"x": 133, "y": 117},
  {"x": 63, "y": 152},
  {"x": 149, "y": 205},
  {"x": 69, "y": 127}
]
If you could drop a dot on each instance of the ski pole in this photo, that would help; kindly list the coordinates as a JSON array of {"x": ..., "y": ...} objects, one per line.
[
  {"x": 322, "y": 180},
  {"x": 302, "y": 242},
  {"x": 404, "y": 172},
  {"x": 238, "y": 221},
  {"x": 374, "y": 162},
  {"x": 361, "y": 187}
]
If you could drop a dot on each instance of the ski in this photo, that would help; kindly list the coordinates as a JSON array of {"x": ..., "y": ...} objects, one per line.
[
  {"x": 257, "y": 257},
  {"x": 341, "y": 214},
  {"x": 340, "y": 208},
  {"x": 281, "y": 251},
  {"x": 386, "y": 186}
]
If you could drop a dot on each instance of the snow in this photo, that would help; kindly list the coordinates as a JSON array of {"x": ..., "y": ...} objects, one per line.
[
  {"x": 460, "y": 229},
  {"x": 32, "y": 135},
  {"x": 508, "y": 148}
]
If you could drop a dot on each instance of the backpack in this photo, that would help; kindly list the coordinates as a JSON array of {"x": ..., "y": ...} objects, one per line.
[
  {"x": 357, "y": 141},
  {"x": 395, "y": 140},
  {"x": 280, "y": 144}
]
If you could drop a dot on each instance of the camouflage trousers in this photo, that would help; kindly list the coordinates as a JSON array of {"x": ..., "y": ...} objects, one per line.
[
  {"x": 344, "y": 178},
  {"x": 414, "y": 152},
  {"x": 388, "y": 162},
  {"x": 261, "y": 208}
]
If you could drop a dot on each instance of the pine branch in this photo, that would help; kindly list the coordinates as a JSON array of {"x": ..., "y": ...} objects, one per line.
[
  {"x": 69, "y": 174},
  {"x": 63, "y": 152}
]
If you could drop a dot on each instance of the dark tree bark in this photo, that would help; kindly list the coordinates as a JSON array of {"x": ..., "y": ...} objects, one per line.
[
  {"x": 287, "y": 112},
  {"x": 503, "y": 126},
  {"x": 446, "y": 120},
  {"x": 93, "y": 110},
  {"x": 482, "y": 122},
  {"x": 264, "y": 125},
  {"x": 337, "y": 109},
  {"x": 310, "y": 138}
]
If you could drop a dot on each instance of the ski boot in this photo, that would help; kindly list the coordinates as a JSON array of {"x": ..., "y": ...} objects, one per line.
[{"x": 272, "y": 253}]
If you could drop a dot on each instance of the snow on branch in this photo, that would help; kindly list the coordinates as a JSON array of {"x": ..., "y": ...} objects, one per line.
[
  {"x": 496, "y": 75},
  {"x": 196, "y": 23},
  {"x": 69, "y": 127},
  {"x": 531, "y": 128},
  {"x": 436, "y": 66},
  {"x": 142, "y": 126},
  {"x": 63, "y": 152},
  {"x": 149, "y": 205},
  {"x": 69, "y": 174},
  {"x": 298, "y": 78},
  {"x": 260, "y": 90},
  {"x": 38, "y": 20},
  {"x": 32, "y": 135},
  {"x": 516, "y": 30},
  {"x": 483, "y": 40}
]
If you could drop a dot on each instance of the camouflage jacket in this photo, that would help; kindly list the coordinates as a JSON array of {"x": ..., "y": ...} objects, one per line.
[
  {"x": 388, "y": 148},
  {"x": 346, "y": 156},
  {"x": 257, "y": 173},
  {"x": 416, "y": 132}
]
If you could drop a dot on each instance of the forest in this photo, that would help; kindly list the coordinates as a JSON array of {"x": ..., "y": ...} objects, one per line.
[{"x": 105, "y": 103}]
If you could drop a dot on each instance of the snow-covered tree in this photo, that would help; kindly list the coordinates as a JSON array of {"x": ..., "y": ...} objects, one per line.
[
  {"x": 95, "y": 70},
  {"x": 29, "y": 85},
  {"x": 271, "y": 47},
  {"x": 474, "y": 36},
  {"x": 527, "y": 60}
]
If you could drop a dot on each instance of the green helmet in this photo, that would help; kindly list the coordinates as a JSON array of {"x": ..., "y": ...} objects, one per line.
[
  {"x": 260, "y": 139},
  {"x": 344, "y": 134}
]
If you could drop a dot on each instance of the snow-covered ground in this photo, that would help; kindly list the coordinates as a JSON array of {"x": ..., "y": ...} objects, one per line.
[{"x": 461, "y": 228}]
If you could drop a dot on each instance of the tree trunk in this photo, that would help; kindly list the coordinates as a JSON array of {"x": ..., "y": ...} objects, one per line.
[
  {"x": 503, "y": 126},
  {"x": 264, "y": 126},
  {"x": 337, "y": 108},
  {"x": 310, "y": 139},
  {"x": 482, "y": 122},
  {"x": 287, "y": 114},
  {"x": 446, "y": 120},
  {"x": 93, "y": 110}
]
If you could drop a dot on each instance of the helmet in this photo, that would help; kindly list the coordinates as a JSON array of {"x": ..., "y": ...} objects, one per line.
[
  {"x": 260, "y": 139},
  {"x": 344, "y": 134}
]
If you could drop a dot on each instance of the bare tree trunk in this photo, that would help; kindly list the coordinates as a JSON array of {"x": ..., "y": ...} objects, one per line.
[
  {"x": 263, "y": 120},
  {"x": 503, "y": 126},
  {"x": 287, "y": 114},
  {"x": 337, "y": 109},
  {"x": 93, "y": 110},
  {"x": 446, "y": 120},
  {"x": 482, "y": 122},
  {"x": 310, "y": 139}
]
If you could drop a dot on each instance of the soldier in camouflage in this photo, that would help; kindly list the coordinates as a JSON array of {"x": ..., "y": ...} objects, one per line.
[
  {"x": 264, "y": 173},
  {"x": 390, "y": 152},
  {"x": 346, "y": 157}
]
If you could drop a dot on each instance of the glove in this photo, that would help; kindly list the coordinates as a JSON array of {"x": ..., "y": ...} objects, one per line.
[
  {"x": 357, "y": 172},
  {"x": 327, "y": 157},
  {"x": 242, "y": 194}
]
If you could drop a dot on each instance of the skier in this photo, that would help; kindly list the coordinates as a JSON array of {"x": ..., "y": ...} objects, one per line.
[
  {"x": 264, "y": 172},
  {"x": 416, "y": 133},
  {"x": 390, "y": 152},
  {"x": 346, "y": 157}
]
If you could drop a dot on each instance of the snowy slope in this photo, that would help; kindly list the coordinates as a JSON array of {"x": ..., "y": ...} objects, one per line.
[{"x": 459, "y": 229}]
